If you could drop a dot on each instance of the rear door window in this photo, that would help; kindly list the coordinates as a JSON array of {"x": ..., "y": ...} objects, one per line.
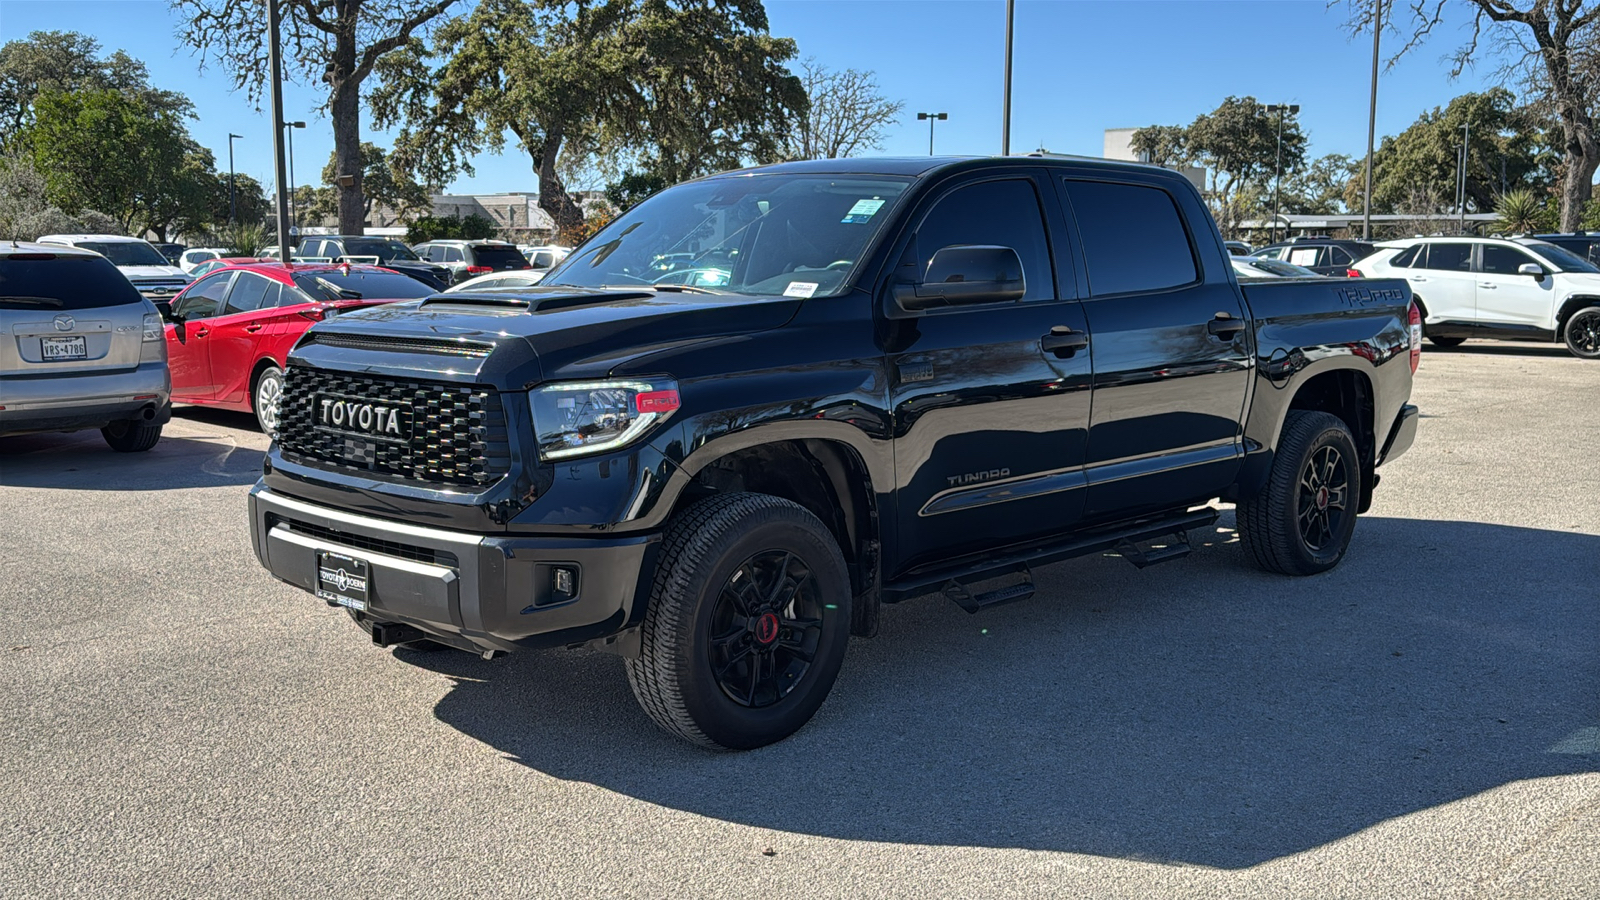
[
  {"x": 1308, "y": 256},
  {"x": 249, "y": 294},
  {"x": 452, "y": 254},
  {"x": 1449, "y": 257},
  {"x": 1338, "y": 257},
  {"x": 1408, "y": 257},
  {"x": 1138, "y": 242},
  {"x": 48, "y": 282}
]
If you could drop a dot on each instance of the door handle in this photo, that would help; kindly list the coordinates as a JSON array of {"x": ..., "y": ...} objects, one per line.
[
  {"x": 1418, "y": 278},
  {"x": 1063, "y": 341},
  {"x": 1487, "y": 286},
  {"x": 1225, "y": 325},
  {"x": 253, "y": 327},
  {"x": 201, "y": 332}
]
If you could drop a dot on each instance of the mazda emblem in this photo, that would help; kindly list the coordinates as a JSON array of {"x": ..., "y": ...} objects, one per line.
[{"x": 64, "y": 323}]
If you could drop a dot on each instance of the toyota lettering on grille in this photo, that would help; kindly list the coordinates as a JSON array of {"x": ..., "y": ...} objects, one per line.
[{"x": 360, "y": 417}]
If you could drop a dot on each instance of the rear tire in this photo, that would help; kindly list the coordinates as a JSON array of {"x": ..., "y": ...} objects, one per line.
[
  {"x": 1302, "y": 520},
  {"x": 265, "y": 397},
  {"x": 1447, "y": 342},
  {"x": 747, "y": 624},
  {"x": 1583, "y": 333},
  {"x": 131, "y": 436}
]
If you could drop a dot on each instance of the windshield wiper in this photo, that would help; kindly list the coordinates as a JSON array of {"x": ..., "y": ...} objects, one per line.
[
  {"x": 35, "y": 301},
  {"x": 670, "y": 288}
]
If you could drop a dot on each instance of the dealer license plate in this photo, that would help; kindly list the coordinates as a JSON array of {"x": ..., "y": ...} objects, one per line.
[
  {"x": 342, "y": 579},
  {"x": 63, "y": 348}
]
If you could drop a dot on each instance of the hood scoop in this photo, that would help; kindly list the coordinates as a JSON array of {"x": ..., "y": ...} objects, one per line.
[{"x": 531, "y": 299}]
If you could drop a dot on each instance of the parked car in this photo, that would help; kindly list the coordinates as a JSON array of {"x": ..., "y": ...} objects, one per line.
[
  {"x": 211, "y": 265},
  {"x": 229, "y": 333},
  {"x": 82, "y": 348},
  {"x": 543, "y": 257},
  {"x": 194, "y": 256},
  {"x": 516, "y": 279},
  {"x": 1517, "y": 289},
  {"x": 465, "y": 259},
  {"x": 1261, "y": 267},
  {"x": 387, "y": 252},
  {"x": 1585, "y": 244},
  {"x": 920, "y": 375},
  {"x": 1325, "y": 256},
  {"x": 170, "y": 252},
  {"x": 149, "y": 271},
  {"x": 1238, "y": 248}
]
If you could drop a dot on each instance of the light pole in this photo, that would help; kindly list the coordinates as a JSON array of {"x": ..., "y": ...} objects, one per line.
[
  {"x": 1372, "y": 121},
  {"x": 931, "y": 117},
  {"x": 1461, "y": 192},
  {"x": 275, "y": 79},
  {"x": 232, "y": 207},
  {"x": 1292, "y": 109},
  {"x": 294, "y": 214},
  {"x": 1005, "y": 116}
]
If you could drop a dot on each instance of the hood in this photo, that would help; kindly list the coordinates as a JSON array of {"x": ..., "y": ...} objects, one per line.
[
  {"x": 515, "y": 339},
  {"x": 1586, "y": 281},
  {"x": 161, "y": 272}
]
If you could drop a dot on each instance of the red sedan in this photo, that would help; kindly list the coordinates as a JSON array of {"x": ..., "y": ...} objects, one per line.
[{"x": 229, "y": 332}]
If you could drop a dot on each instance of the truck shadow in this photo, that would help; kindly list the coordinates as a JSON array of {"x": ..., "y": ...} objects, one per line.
[{"x": 1199, "y": 712}]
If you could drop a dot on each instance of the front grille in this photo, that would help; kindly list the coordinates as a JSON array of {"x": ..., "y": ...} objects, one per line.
[
  {"x": 412, "y": 552},
  {"x": 457, "y": 433},
  {"x": 435, "y": 346}
]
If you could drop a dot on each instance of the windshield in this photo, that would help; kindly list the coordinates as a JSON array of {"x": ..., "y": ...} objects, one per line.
[
  {"x": 1566, "y": 259},
  {"x": 335, "y": 284},
  {"x": 383, "y": 250},
  {"x": 127, "y": 253},
  {"x": 797, "y": 235}
]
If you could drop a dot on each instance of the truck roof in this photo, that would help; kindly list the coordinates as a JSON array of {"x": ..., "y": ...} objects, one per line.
[{"x": 917, "y": 166}]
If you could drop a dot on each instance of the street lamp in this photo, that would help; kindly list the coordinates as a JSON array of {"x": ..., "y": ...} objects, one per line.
[
  {"x": 232, "y": 207},
  {"x": 1461, "y": 174},
  {"x": 1372, "y": 121},
  {"x": 294, "y": 215},
  {"x": 1281, "y": 109},
  {"x": 931, "y": 117}
]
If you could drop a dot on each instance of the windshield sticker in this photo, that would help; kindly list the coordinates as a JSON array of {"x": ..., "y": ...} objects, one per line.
[
  {"x": 862, "y": 212},
  {"x": 800, "y": 289}
]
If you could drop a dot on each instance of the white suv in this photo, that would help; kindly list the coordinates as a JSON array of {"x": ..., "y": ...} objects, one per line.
[
  {"x": 1507, "y": 289},
  {"x": 150, "y": 272}
]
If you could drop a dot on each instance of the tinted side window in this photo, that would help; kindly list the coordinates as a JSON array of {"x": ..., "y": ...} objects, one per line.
[
  {"x": 249, "y": 293},
  {"x": 50, "y": 283},
  {"x": 1338, "y": 257},
  {"x": 1002, "y": 213},
  {"x": 1407, "y": 257},
  {"x": 1133, "y": 238},
  {"x": 452, "y": 254},
  {"x": 1450, "y": 257},
  {"x": 204, "y": 298},
  {"x": 1504, "y": 260}
]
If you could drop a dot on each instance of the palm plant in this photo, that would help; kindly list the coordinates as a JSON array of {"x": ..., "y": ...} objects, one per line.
[{"x": 1520, "y": 212}]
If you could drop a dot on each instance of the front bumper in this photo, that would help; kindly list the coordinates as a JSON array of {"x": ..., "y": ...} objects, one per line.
[
  {"x": 1402, "y": 435},
  {"x": 68, "y": 402},
  {"x": 473, "y": 591}
]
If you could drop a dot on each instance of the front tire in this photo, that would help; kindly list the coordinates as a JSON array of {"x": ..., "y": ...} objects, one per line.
[
  {"x": 264, "y": 399},
  {"x": 132, "y": 436},
  {"x": 1583, "y": 333},
  {"x": 1302, "y": 520},
  {"x": 747, "y": 624}
]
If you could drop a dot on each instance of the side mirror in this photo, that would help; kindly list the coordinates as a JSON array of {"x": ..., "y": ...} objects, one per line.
[
  {"x": 966, "y": 275},
  {"x": 1534, "y": 269}
]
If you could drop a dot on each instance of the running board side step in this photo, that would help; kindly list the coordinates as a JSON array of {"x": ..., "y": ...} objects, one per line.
[{"x": 955, "y": 583}]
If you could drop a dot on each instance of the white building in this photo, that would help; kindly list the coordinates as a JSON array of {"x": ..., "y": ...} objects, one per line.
[{"x": 1118, "y": 146}]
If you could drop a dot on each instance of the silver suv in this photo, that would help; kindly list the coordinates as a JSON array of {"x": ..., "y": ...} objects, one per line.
[{"x": 79, "y": 348}]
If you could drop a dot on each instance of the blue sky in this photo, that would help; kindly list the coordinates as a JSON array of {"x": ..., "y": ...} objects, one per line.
[{"x": 1081, "y": 66}]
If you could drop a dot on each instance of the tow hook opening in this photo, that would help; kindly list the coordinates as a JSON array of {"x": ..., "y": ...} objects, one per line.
[{"x": 392, "y": 634}]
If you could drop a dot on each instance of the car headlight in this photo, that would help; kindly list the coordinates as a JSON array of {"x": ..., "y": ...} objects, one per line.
[
  {"x": 592, "y": 417},
  {"x": 153, "y": 330}
]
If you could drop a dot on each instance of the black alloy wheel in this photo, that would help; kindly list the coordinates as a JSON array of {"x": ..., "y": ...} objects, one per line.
[
  {"x": 1583, "y": 333},
  {"x": 1324, "y": 496},
  {"x": 765, "y": 628},
  {"x": 1301, "y": 521}
]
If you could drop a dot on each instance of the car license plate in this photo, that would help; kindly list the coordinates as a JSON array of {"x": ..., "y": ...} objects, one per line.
[
  {"x": 63, "y": 348},
  {"x": 342, "y": 579}
]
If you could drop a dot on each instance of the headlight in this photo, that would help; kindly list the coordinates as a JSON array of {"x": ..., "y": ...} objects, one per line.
[
  {"x": 152, "y": 327},
  {"x": 592, "y": 417}
]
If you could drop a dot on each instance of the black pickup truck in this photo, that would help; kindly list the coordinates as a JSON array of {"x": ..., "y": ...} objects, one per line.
[{"x": 757, "y": 406}]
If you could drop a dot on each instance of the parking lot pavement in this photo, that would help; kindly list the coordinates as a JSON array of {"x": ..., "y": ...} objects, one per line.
[{"x": 1423, "y": 721}]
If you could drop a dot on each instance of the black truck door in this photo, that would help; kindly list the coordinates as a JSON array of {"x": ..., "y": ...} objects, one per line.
[
  {"x": 1171, "y": 351},
  {"x": 990, "y": 427}
]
